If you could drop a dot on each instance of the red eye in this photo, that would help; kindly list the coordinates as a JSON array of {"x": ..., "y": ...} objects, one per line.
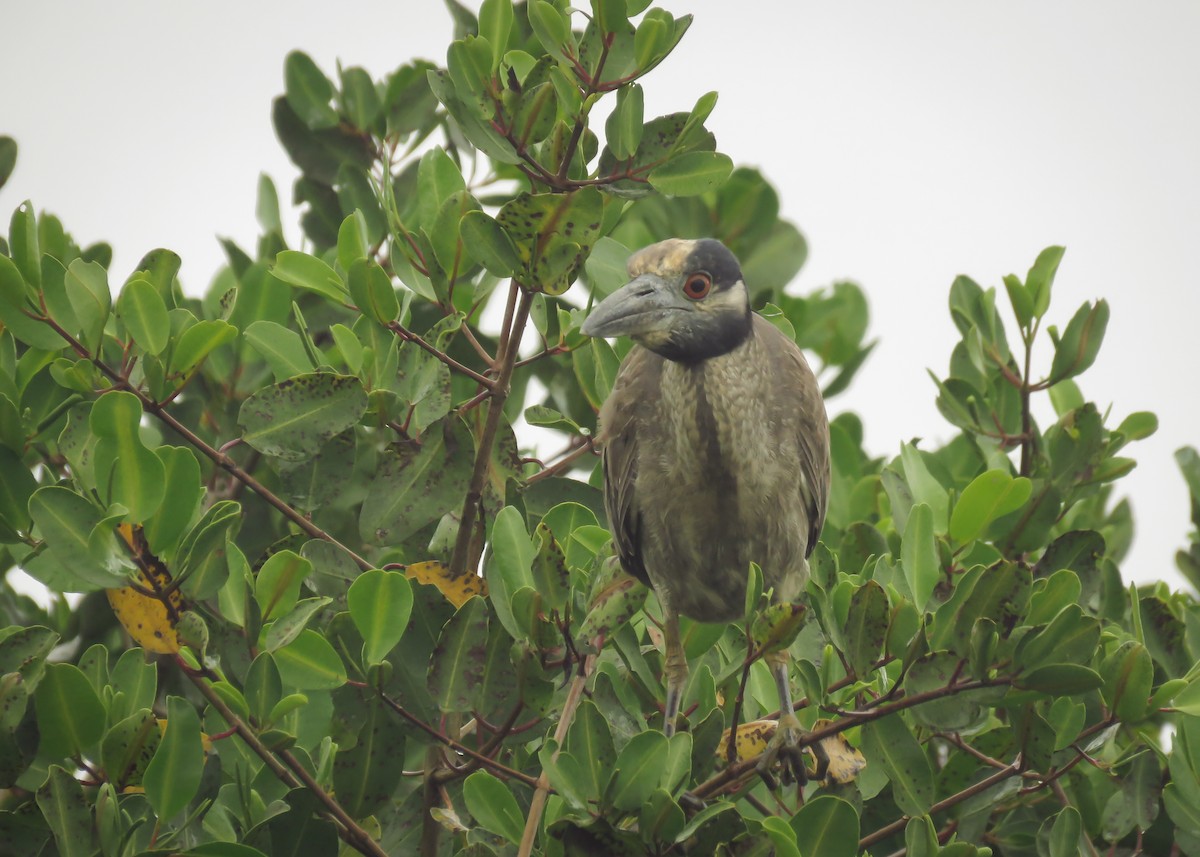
[{"x": 697, "y": 286}]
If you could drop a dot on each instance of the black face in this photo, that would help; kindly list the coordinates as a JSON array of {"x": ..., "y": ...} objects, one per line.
[{"x": 721, "y": 320}]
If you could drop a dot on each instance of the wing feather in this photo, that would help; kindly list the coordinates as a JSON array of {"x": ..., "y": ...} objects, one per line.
[{"x": 637, "y": 381}]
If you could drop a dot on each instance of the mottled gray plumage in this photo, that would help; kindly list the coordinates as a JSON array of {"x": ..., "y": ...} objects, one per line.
[
  {"x": 713, "y": 465},
  {"x": 716, "y": 447}
]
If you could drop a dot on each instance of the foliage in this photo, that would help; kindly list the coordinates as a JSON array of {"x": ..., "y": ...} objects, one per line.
[{"x": 273, "y": 502}]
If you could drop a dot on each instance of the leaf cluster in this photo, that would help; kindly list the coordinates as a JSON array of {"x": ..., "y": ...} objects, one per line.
[{"x": 328, "y": 602}]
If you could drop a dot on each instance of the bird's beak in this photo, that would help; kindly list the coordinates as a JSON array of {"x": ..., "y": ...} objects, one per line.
[{"x": 643, "y": 305}]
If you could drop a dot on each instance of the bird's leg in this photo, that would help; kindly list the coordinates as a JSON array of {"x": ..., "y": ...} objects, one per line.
[
  {"x": 785, "y": 745},
  {"x": 677, "y": 669}
]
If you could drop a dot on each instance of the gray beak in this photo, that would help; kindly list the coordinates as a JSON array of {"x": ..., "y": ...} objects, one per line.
[{"x": 644, "y": 305}]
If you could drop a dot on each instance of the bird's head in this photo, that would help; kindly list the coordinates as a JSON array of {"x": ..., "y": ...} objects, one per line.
[{"x": 685, "y": 300}]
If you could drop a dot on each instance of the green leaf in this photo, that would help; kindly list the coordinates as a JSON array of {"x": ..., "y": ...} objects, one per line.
[
  {"x": 173, "y": 775},
  {"x": 308, "y": 272},
  {"x": 551, "y": 28},
  {"x": 637, "y": 770},
  {"x": 288, "y": 626},
  {"x": 456, "y": 667},
  {"x": 352, "y": 242},
  {"x": 1080, "y": 342},
  {"x": 549, "y": 570},
  {"x": 23, "y": 244},
  {"x": 8, "y": 158},
  {"x": 372, "y": 291},
  {"x": 413, "y": 488},
  {"x": 197, "y": 342},
  {"x": 925, "y": 488},
  {"x": 1138, "y": 425},
  {"x": 990, "y": 495},
  {"x": 277, "y": 585},
  {"x": 141, "y": 309},
  {"x": 1041, "y": 277},
  {"x": 67, "y": 812},
  {"x": 87, "y": 289},
  {"x": 16, "y": 487},
  {"x": 1061, "y": 679},
  {"x": 1066, "y": 832},
  {"x": 1128, "y": 676},
  {"x": 366, "y": 775},
  {"x": 489, "y": 243},
  {"x": 310, "y": 663},
  {"x": 691, "y": 173},
  {"x": 360, "y": 99},
  {"x": 129, "y": 746},
  {"x": 510, "y": 569},
  {"x": 292, "y": 419},
  {"x": 866, "y": 627},
  {"x": 553, "y": 233},
  {"x": 380, "y": 604},
  {"x": 919, "y": 556},
  {"x": 309, "y": 91},
  {"x": 69, "y": 713},
  {"x": 495, "y": 23},
  {"x": 590, "y": 742},
  {"x": 65, "y": 521},
  {"x": 889, "y": 743},
  {"x": 280, "y": 347},
  {"x": 492, "y": 804},
  {"x": 827, "y": 826},
  {"x": 1020, "y": 298},
  {"x": 266, "y": 207},
  {"x": 438, "y": 179},
  {"x": 625, "y": 124},
  {"x": 138, "y": 475}
]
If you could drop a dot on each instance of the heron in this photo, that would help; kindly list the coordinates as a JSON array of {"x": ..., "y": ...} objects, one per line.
[{"x": 715, "y": 453}]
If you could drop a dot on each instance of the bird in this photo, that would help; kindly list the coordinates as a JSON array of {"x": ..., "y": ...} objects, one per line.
[{"x": 715, "y": 453}]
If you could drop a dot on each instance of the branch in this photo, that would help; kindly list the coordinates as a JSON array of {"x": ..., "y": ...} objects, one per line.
[
  {"x": 416, "y": 339},
  {"x": 348, "y": 829},
  {"x": 542, "y": 791},
  {"x": 510, "y": 344},
  {"x": 219, "y": 458}
]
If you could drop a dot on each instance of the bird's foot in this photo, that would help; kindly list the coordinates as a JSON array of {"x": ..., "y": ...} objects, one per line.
[{"x": 785, "y": 748}]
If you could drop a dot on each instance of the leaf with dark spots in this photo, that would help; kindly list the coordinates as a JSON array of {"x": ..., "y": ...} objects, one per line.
[
  {"x": 456, "y": 665},
  {"x": 366, "y": 775},
  {"x": 293, "y": 419},
  {"x": 553, "y": 234},
  {"x": 414, "y": 487}
]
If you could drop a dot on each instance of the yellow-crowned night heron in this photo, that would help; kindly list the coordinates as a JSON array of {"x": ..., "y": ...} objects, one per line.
[{"x": 716, "y": 450}]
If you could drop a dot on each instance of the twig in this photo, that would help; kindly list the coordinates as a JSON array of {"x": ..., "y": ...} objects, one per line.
[
  {"x": 483, "y": 452},
  {"x": 348, "y": 828},
  {"x": 416, "y": 339},
  {"x": 542, "y": 791},
  {"x": 219, "y": 458}
]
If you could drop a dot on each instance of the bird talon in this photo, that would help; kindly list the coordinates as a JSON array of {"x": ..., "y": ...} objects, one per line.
[{"x": 784, "y": 747}]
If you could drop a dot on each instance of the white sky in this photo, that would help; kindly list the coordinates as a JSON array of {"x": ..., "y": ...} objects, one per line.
[{"x": 909, "y": 141}]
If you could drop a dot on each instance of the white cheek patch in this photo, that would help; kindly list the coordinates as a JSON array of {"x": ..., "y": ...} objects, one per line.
[{"x": 732, "y": 299}]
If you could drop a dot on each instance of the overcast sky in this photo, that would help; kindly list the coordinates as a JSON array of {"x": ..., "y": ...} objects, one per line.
[{"x": 910, "y": 141}]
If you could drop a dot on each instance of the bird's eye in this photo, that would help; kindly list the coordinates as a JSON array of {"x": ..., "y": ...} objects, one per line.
[{"x": 697, "y": 286}]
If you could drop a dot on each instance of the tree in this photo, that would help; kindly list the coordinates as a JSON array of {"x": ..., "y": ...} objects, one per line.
[{"x": 275, "y": 499}]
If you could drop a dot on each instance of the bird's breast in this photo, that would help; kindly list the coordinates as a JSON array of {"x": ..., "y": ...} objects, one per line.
[{"x": 716, "y": 487}]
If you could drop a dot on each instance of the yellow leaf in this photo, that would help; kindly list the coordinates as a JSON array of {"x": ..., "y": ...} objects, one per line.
[
  {"x": 149, "y": 620},
  {"x": 845, "y": 761},
  {"x": 458, "y": 590}
]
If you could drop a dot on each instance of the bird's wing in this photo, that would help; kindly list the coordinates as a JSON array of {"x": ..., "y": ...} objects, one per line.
[
  {"x": 619, "y": 419},
  {"x": 813, "y": 424}
]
